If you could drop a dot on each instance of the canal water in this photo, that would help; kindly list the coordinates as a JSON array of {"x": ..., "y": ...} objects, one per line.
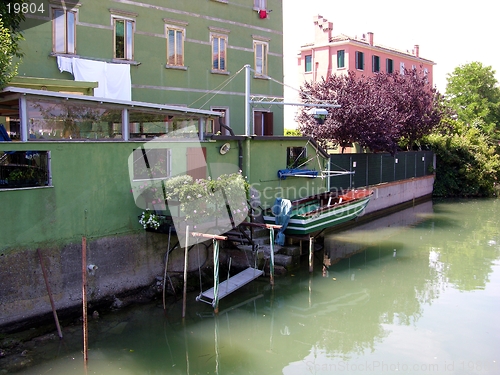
[{"x": 415, "y": 292}]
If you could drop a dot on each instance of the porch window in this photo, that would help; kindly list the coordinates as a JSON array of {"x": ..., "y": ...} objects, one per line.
[
  {"x": 22, "y": 169},
  {"x": 308, "y": 63},
  {"x": 63, "y": 31},
  {"x": 67, "y": 120}
]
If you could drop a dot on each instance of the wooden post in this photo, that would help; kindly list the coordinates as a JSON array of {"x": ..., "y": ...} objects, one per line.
[
  {"x": 311, "y": 253},
  {"x": 54, "y": 312},
  {"x": 84, "y": 299},
  {"x": 271, "y": 256},
  {"x": 184, "y": 292}
]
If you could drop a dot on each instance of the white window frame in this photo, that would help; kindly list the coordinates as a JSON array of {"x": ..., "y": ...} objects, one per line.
[
  {"x": 263, "y": 60},
  {"x": 402, "y": 68},
  {"x": 128, "y": 39},
  {"x": 60, "y": 30},
  {"x": 213, "y": 37},
  {"x": 259, "y": 4}
]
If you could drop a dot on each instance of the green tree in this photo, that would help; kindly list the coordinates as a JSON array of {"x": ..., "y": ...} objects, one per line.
[
  {"x": 473, "y": 93},
  {"x": 467, "y": 165},
  {"x": 10, "y": 36},
  {"x": 8, "y": 69}
]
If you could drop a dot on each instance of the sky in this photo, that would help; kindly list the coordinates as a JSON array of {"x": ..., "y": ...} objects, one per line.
[{"x": 450, "y": 33}]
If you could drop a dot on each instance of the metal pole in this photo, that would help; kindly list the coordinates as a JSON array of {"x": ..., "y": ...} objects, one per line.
[
  {"x": 84, "y": 299},
  {"x": 54, "y": 312},
  {"x": 184, "y": 292},
  {"x": 247, "y": 100}
]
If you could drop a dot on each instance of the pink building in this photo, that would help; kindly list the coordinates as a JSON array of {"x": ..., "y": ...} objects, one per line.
[{"x": 340, "y": 54}]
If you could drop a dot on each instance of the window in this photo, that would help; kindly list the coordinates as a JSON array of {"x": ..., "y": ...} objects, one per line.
[
  {"x": 50, "y": 120},
  {"x": 63, "y": 31},
  {"x": 308, "y": 63},
  {"x": 175, "y": 46},
  {"x": 360, "y": 60},
  {"x": 263, "y": 123},
  {"x": 375, "y": 63},
  {"x": 21, "y": 169},
  {"x": 389, "y": 65},
  {"x": 260, "y": 51},
  {"x": 219, "y": 47},
  {"x": 151, "y": 163},
  {"x": 341, "y": 58},
  {"x": 295, "y": 157},
  {"x": 260, "y": 4},
  {"x": 123, "y": 38},
  {"x": 402, "y": 68}
]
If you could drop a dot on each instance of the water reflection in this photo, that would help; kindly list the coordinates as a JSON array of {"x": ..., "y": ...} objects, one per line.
[{"x": 414, "y": 292}]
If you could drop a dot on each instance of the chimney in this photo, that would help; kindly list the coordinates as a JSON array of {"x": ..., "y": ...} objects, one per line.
[
  {"x": 323, "y": 30},
  {"x": 417, "y": 50},
  {"x": 370, "y": 38}
]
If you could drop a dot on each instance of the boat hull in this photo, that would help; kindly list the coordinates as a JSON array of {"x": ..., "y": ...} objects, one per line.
[{"x": 326, "y": 217}]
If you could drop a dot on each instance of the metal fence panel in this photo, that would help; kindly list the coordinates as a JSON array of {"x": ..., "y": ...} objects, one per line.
[{"x": 372, "y": 169}]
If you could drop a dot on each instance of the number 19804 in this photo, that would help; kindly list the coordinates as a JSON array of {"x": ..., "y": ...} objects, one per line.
[{"x": 25, "y": 8}]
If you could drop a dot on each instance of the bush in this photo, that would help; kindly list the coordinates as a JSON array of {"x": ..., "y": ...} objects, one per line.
[{"x": 466, "y": 164}]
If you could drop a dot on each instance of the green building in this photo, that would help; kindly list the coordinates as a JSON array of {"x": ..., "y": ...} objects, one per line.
[{"x": 183, "y": 53}]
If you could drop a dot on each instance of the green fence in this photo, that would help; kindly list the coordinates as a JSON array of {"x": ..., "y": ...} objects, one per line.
[{"x": 372, "y": 169}]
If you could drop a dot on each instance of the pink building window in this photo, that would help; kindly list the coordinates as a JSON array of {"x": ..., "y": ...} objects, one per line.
[{"x": 360, "y": 60}]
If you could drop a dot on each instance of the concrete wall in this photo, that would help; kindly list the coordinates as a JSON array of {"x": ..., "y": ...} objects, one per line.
[
  {"x": 395, "y": 193},
  {"x": 124, "y": 263}
]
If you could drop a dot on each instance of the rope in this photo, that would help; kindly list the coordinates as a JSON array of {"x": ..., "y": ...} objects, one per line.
[{"x": 217, "y": 90}]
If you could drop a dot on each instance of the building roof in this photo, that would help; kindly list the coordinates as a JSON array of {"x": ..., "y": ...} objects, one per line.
[
  {"x": 346, "y": 38},
  {"x": 9, "y": 103}
]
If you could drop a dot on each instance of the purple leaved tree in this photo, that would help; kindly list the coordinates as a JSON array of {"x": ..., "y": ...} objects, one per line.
[{"x": 378, "y": 112}]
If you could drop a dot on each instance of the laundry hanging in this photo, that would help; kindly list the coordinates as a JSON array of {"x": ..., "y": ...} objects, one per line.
[{"x": 113, "y": 80}]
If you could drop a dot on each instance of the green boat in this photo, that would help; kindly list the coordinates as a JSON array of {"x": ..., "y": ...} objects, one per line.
[{"x": 321, "y": 211}]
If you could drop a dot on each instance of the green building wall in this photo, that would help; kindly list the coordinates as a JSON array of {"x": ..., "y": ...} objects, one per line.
[{"x": 91, "y": 193}]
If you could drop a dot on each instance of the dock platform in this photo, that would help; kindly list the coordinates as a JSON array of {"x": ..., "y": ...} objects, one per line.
[{"x": 230, "y": 285}]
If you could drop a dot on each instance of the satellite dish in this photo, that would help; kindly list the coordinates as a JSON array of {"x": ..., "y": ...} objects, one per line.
[{"x": 225, "y": 148}]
